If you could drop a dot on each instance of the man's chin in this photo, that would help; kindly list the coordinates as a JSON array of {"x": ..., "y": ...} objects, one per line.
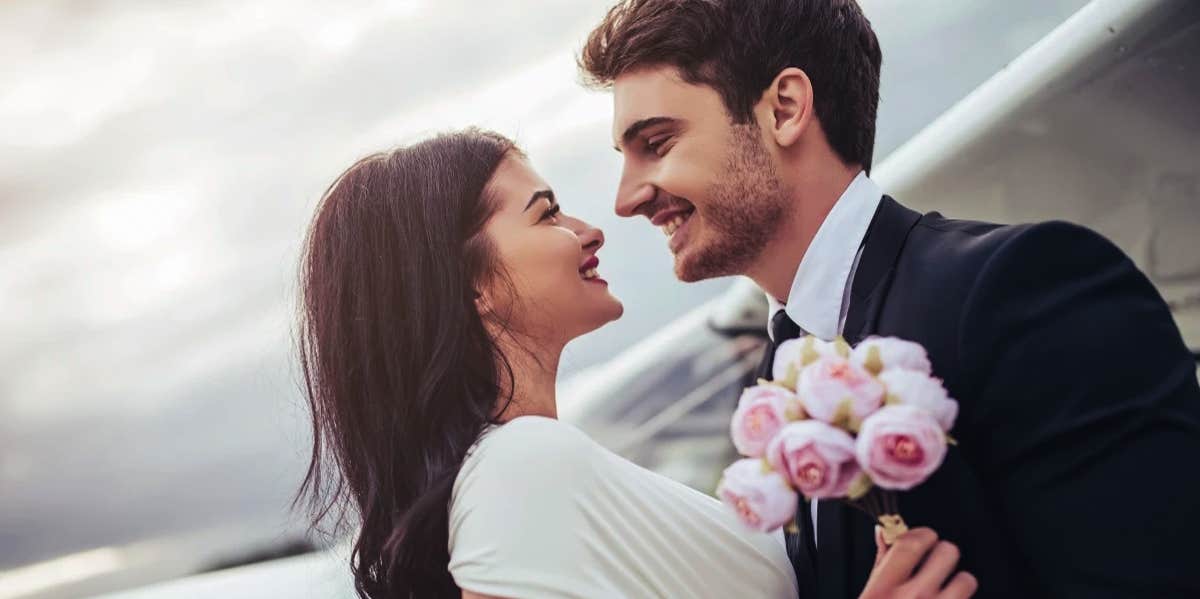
[
  {"x": 693, "y": 267},
  {"x": 687, "y": 276}
]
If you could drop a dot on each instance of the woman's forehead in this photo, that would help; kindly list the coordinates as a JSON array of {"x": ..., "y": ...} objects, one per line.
[{"x": 514, "y": 183}]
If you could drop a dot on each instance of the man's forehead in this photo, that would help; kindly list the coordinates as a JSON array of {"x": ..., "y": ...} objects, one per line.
[{"x": 646, "y": 94}]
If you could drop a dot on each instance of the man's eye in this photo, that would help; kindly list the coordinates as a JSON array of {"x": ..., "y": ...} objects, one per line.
[{"x": 655, "y": 144}]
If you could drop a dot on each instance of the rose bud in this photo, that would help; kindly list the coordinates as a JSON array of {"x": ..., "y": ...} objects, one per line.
[
  {"x": 817, "y": 458},
  {"x": 878, "y": 354},
  {"x": 900, "y": 446},
  {"x": 793, "y": 355},
  {"x": 836, "y": 391},
  {"x": 761, "y": 497},
  {"x": 761, "y": 412},
  {"x": 912, "y": 388}
]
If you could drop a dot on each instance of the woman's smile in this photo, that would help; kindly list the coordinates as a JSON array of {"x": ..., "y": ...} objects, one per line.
[{"x": 588, "y": 271}]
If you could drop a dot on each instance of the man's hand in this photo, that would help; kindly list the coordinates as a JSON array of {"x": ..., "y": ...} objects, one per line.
[{"x": 917, "y": 566}]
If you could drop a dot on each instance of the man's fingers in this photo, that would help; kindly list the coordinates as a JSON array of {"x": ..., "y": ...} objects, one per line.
[
  {"x": 902, "y": 558},
  {"x": 963, "y": 585},
  {"x": 937, "y": 567},
  {"x": 895, "y": 566},
  {"x": 880, "y": 546}
]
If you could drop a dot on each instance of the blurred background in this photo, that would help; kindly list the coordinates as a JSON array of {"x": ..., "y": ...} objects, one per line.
[{"x": 158, "y": 165}]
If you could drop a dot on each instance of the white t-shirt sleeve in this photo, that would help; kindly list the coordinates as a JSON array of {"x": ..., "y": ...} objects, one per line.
[{"x": 518, "y": 515}]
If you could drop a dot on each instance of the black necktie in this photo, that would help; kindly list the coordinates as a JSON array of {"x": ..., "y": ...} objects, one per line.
[{"x": 783, "y": 327}]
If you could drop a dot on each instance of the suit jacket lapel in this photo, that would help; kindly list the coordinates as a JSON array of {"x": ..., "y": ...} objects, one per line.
[
  {"x": 885, "y": 238},
  {"x": 836, "y": 531}
]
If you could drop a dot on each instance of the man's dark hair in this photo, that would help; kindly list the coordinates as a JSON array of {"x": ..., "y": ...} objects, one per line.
[{"x": 738, "y": 47}]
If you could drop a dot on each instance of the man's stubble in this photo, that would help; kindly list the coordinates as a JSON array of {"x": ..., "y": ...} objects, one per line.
[{"x": 746, "y": 206}]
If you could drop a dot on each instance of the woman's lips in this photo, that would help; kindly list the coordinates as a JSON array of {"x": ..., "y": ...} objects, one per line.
[{"x": 588, "y": 271}]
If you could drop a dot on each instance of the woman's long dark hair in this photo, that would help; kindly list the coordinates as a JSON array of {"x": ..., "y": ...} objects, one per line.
[{"x": 400, "y": 373}]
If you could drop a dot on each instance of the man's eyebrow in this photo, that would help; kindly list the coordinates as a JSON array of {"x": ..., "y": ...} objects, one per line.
[
  {"x": 637, "y": 127},
  {"x": 537, "y": 195}
]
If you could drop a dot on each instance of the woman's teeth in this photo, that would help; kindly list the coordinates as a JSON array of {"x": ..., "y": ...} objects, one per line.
[
  {"x": 673, "y": 225},
  {"x": 590, "y": 274}
]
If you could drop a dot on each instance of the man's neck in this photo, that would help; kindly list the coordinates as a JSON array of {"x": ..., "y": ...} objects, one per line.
[{"x": 776, "y": 267}]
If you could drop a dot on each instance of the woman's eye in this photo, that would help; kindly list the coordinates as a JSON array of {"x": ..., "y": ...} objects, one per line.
[{"x": 551, "y": 214}]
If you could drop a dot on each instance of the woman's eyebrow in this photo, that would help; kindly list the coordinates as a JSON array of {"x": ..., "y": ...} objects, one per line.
[{"x": 537, "y": 195}]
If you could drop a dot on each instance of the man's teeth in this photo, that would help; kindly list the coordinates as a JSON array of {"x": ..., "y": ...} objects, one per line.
[
  {"x": 673, "y": 225},
  {"x": 590, "y": 273}
]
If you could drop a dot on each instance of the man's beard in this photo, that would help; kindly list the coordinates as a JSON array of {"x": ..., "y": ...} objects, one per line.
[{"x": 746, "y": 205}]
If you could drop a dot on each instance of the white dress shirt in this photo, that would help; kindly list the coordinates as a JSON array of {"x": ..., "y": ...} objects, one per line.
[{"x": 820, "y": 295}]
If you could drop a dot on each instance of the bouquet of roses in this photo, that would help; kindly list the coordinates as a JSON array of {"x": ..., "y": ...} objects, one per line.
[{"x": 856, "y": 424}]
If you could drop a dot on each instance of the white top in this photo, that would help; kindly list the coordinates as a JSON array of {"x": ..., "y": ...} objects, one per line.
[
  {"x": 820, "y": 295},
  {"x": 541, "y": 510}
]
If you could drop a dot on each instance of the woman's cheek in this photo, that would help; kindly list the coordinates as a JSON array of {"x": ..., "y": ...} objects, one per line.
[{"x": 555, "y": 266}]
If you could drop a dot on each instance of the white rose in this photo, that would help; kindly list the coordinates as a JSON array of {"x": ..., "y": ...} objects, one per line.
[
  {"x": 877, "y": 354},
  {"x": 793, "y": 355},
  {"x": 913, "y": 388}
]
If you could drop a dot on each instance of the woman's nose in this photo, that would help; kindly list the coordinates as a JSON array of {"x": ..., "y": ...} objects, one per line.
[{"x": 591, "y": 238}]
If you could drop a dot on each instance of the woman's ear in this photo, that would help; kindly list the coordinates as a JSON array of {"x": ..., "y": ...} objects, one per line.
[
  {"x": 482, "y": 305},
  {"x": 487, "y": 306},
  {"x": 788, "y": 104}
]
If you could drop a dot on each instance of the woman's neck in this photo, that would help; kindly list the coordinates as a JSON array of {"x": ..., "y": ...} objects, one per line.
[{"x": 534, "y": 377}]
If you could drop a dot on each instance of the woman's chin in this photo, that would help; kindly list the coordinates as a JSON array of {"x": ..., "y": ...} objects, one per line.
[
  {"x": 598, "y": 316},
  {"x": 612, "y": 309},
  {"x": 613, "y": 306},
  {"x": 618, "y": 309},
  {"x": 603, "y": 303}
]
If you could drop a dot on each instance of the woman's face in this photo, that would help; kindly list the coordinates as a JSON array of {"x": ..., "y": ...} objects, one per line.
[{"x": 549, "y": 257}]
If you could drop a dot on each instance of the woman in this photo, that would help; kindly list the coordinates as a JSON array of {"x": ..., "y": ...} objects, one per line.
[{"x": 440, "y": 283}]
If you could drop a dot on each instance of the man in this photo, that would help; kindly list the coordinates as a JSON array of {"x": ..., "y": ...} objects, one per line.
[{"x": 746, "y": 129}]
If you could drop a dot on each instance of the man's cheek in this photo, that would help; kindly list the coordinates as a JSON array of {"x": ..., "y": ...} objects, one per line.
[{"x": 682, "y": 181}]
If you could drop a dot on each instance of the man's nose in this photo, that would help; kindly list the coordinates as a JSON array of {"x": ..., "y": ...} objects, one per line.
[{"x": 632, "y": 192}]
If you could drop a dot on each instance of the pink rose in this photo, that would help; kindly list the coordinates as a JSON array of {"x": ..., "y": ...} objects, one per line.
[
  {"x": 794, "y": 354},
  {"x": 761, "y": 412},
  {"x": 877, "y": 354},
  {"x": 835, "y": 388},
  {"x": 923, "y": 391},
  {"x": 817, "y": 458},
  {"x": 760, "y": 496},
  {"x": 900, "y": 446}
]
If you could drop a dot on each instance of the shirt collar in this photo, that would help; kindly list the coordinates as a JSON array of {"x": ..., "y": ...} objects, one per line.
[{"x": 822, "y": 281}]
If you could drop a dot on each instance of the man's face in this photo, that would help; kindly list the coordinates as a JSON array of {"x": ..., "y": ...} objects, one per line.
[{"x": 710, "y": 185}]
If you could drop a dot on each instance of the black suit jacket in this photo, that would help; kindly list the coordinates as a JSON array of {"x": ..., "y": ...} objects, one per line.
[{"x": 1077, "y": 472}]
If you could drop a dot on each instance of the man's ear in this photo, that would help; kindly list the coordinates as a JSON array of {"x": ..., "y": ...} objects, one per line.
[{"x": 788, "y": 106}]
